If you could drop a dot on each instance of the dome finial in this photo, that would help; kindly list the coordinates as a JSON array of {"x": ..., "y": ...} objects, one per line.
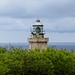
[{"x": 37, "y": 20}]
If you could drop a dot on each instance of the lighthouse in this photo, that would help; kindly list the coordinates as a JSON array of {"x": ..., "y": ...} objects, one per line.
[{"x": 37, "y": 41}]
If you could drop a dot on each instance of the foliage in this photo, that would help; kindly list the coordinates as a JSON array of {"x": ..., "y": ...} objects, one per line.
[{"x": 36, "y": 62}]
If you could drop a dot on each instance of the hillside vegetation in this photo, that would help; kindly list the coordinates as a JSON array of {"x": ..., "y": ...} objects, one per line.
[{"x": 35, "y": 62}]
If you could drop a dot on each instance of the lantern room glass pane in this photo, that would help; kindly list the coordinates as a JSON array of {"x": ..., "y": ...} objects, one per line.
[{"x": 38, "y": 30}]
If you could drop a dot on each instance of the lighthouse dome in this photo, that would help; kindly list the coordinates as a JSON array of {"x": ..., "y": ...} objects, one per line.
[{"x": 37, "y": 22}]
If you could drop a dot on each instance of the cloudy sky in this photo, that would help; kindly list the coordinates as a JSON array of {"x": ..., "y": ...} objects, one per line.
[{"x": 18, "y": 16}]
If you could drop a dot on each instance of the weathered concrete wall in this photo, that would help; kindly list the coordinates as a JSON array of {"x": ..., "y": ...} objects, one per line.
[
  {"x": 39, "y": 43},
  {"x": 38, "y": 46}
]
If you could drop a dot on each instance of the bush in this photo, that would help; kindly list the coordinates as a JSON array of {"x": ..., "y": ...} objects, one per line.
[{"x": 35, "y": 62}]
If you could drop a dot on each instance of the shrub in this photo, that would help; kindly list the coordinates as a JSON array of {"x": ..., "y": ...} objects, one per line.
[{"x": 36, "y": 62}]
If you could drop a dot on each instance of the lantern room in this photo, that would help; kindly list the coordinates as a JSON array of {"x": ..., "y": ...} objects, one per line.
[{"x": 37, "y": 28}]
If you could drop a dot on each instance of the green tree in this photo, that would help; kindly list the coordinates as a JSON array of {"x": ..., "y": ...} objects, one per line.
[{"x": 18, "y": 61}]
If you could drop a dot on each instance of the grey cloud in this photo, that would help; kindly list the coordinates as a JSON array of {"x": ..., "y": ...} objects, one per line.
[
  {"x": 60, "y": 31},
  {"x": 63, "y": 25},
  {"x": 33, "y": 8},
  {"x": 53, "y": 10},
  {"x": 12, "y": 24}
]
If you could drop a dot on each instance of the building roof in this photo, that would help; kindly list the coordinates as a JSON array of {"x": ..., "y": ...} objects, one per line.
[{"x": 38, "y": 22}]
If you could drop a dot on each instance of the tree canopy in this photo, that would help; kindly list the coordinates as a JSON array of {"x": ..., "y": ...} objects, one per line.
[{"x": 36, "y": 62}]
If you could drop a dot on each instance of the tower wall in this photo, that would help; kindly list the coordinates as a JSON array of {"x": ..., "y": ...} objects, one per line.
[
  {"x": 40, "y": 46},
  {"x": 39, "y": 43}
]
